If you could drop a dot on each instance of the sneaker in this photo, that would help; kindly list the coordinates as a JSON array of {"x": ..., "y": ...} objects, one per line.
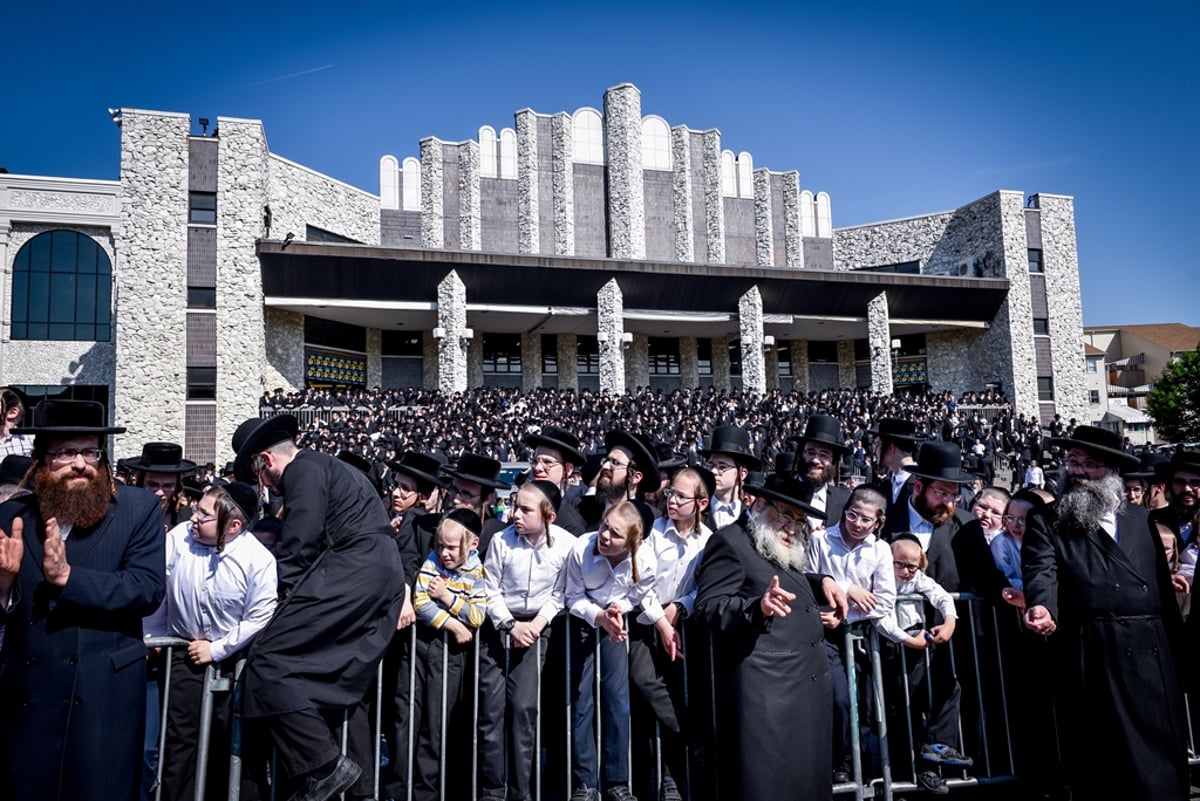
[
  {"x": 942, "y": 754},
  {"x": 842, "y": 773},
  {"x": 618, "y": 793},
  {"x": 344, "y": 774},
  {"x": 669, "y": 791},
  {"x": 932, "y": 782},
  {"x": 585, "y": 794}
]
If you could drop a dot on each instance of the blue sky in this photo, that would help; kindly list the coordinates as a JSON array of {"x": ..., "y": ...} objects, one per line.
[{"x": 895, "y": 109}]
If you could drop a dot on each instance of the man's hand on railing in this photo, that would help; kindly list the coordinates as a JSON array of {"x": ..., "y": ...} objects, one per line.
[{"x": 200, "y": 652}]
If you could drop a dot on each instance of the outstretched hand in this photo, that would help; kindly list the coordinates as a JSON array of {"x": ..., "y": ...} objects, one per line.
[{"x": 775, "y": 600}]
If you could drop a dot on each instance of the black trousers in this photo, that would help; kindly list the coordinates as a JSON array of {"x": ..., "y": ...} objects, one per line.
[
  {"x": 841, "y": 696},
  {"x": 933, "y": 697},
  {"x": 397, "y": 678},
  {"x": 657, "y": 703},
  {"x": 508, "y": 712},
  {"x": 435, "y": 653}
]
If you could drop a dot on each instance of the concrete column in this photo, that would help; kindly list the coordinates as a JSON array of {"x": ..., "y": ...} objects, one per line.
[
  {"x": 800, "y": 378},
  {"x": 847, "y": 377},
  {"x": 470, "y": 216},
  {"x": 568, "y": 362},
  {"x": 429, "y": 361},
  {"x": 714, "y": 201},
  {"x": 793, "y": 239},
  {"x": 771, "y": 365},
  {"x": 475, "y": 362},
  {"x": 681, "y": 185},
  {"x": 610, "y": 328},
  {"x": 528, "y": 221},
  {"x": 720, "y": 363},
  {"x": 689, "y": 362},
  {"x": 433, "y": 212},
  {"x": 531, "y": 362},
  {"x": 562, "y": 159},
  {"x": 637, "y": 362},
  {"x": 764, "y": 225},
  {"x": 750, "y": 320},
  {"x": 626, "y": 191},
  {"x": 374, "y": 357},
  {"x": 452, "y": 320},
  {"x": 879, "y": 342}
]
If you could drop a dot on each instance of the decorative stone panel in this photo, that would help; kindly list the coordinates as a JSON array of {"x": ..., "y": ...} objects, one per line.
[
  {"x": 301, "y": 197},
  {"x": 689, "y": 362},
  {"x": 800, "y": 377},
  {"x": 568, "y": 362},
  {"x": 637, "y": 362},
  {"x": 430, "y": 356},
  {"x": 720, "y": 364},
  {"x": 750, "y": 321},
  {"x": 714, "y": 202},
  {"x": 681, "y": 183},
  {"x": 452, "y": 319},
  {"x": 847, "y": 375},
  {"x": 793, "y": 238},
  {"x": 528, "y": 213},
  {"x": 564, "y": 186},
  {"x": 374, "y": 357},
  {"x": 764, "y": 227},
  {"x": 626, "y": 201},
  {"x": 771, "y": 366},
  {"x": 475, "y": 363},
  {"x": 531, "y": 361},
  {"x": 1061, "y": 259},
  {"x": 879, "y": 343},
  {"x": 610, "y": 326},
  {"x": 433, "y": 212},
  {"x": 284, "y": 367},
  {"x": 470, "y": 217}
]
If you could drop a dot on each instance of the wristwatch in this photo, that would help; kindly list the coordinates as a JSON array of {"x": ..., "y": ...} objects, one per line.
[
  {"x": 508, "y": 624},
  {"x": 680, "y": 609}
]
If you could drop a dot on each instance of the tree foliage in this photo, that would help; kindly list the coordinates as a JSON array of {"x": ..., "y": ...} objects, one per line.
[{"x": 1174, "y": 402}]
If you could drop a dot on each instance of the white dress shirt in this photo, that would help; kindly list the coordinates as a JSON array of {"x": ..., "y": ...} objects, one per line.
[
  {"x": 225, "y": 598},
  {"x": 676, "y": 557},
  {"x": 867, "y": 564},
  {"x": 524, "y": 580},
  {"x": 919, "y": 527},
  {"x": 725, "y": 513},
  {"x": 910, "y": 612},
  {"x": 594, "y": 583}
]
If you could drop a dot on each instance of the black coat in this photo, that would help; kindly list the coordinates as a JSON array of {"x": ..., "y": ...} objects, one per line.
[
  {"x": 341, "y": 585},
  {"x": 773, "y": 684},
  {"x": 1119, "y": 702},
  {"x": 835, "y": 502},
  {"x": 73, "y": 668}
]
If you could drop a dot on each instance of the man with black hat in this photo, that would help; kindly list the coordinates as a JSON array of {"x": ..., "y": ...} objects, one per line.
[
  {"x": 160, "y": 469},
  {"x": 556, "y": 456},
  {"x": 895, "y": 443},
  {"x": 755, "y": 594},
  {"x": 473, "y": 485},
  {"x": 821, "y": 448},
  {"x": 1096, "y": 578},
  {"x": 730, "y": 460},
  {"x": 341, "y": 587},
  {"x": 628, "y": 470},
  {"x": 81, "y": 563}
]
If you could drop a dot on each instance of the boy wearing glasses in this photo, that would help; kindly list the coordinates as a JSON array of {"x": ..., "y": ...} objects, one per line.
[{"x": 730, "y": 460}]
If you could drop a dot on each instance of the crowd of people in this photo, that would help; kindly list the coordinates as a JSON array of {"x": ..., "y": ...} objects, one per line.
[{"x": 682, "y": 567}]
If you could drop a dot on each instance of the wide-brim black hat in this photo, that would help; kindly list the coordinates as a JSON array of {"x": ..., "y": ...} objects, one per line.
[
  {"x": 732, "y": 441},
  {"x": 897, "y": 429},
  {"x": 826, "y": 430},
  {"x": 785, "y": 463},
  {"x": 667, "y": 458},
  {"x": 162, "y": 457},
  {"x": 255, "y": 435},
  {"x": 1186, "y": 461},
  {"x": 941, "y": 461},
  {"x": 55, "y": 417},
  {"x": 1148, "y": 466},
  {"x": 791, "y": 491},
  {"x": 1102, "y": 443},
  {"x": 478, "y": 470},
  {"x": 422, "y": 468},
  {"x": 13, "y": 468},
  {"x": 643, "y": 457},
  {"x": 558, "y": 439}
]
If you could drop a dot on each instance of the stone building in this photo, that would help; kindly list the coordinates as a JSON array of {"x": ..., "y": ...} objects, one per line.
[{"x": 600, "y": 249}]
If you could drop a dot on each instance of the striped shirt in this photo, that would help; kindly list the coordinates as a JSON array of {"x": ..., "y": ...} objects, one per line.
[{"x": 465, "y": 584}]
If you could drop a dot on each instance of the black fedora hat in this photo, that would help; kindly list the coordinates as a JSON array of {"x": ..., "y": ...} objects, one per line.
[
  {"x": 257, "y": 434},
  {"x": 1101, "y": 443},
  {"x": 668, "y": 459},
  {"x": 643, "y": 457},
  {"x": 940, "y": 461},
  {"x": 362, "y": 465},
  {"x": 1148, "y": 466},
  {"x": 732, "y": 441},
  {"x": 826, "y": 430},
  {"x": 69, "y": 417},
  {"x": 13, "y": 468},
  {"x": 478, "y": 470},
  {"x": 422, "y": 468},
  {"x": 894, "y": 428},
  {"x": 558, "y": 439},
  {"x": 1186, "y": 461},
  {"x": 785, "y": 463},
  {"x": 791, "y": 491},
  {"x": 162, "y": 457}
]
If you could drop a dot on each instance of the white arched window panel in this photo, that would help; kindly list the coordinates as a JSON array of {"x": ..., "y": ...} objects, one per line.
[
  {"x": 508, "y": 153},
  {"x": 389, "y": 183},
  {"x": 487, "y": 152},
  {"x": 824, "y": 216},
  {"x": 728, "y": 174},
  {"x": 808, "y": 214},
  {"x": 410, "y": 172},
  {"x": 656, "y": 144},
  {"x": 588, "y": 136},
  {"x": 745, "y": 175}
]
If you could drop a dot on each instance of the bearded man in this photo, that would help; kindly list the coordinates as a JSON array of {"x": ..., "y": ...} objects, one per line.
[
  {"x": 1097, "y": 579},
  {"x": 81, "y": 563},
  {"x": 754, "y": 594},
  {"x": 629, "y": 470},
  {"x": 822, "y": 447}
]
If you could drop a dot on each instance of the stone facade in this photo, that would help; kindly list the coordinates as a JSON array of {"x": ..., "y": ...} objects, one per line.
[
  {"x": 681, "y": 184},
  {"x": 470, "y": 222},
  {"x": 568, "y": 362},
  {"x": 433, "y": 211},
  {"x": 626, "y": 202},
  {"x": 879, "y": 342},
  {"x": 750, "y": 321},
  {"x": 800, "y": 378},
  {"x": 564, "y": 185},
  {"x": 429, "y": 360},
  {"x": 720, "y": 363},
  {"x": 847, "y": 375},
  {"x": 689, "y": 362},
  {"x": 1061, "y": 258},
  {"x": 764, "y": 229},
  {"x": 637, "y": 362},
  {"x": 714, "y": 201},
  {"x": 452, "y": 349},
  {"x": 374, "y": 357},
  {"x": 610, "y": 326},
  {"x": 528, "y": 198},
  {"x": 284, "y": 367},
  {"x": 531, "y": 361}
]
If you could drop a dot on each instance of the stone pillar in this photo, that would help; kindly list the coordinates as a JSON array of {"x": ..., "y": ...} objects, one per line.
[
  {"x": 800, "y": 377},
  {"x": 568, "y": 362},
  {"x": 720, "y": 363},
  {"x": 528, "y": 220},
  {"x": 793, "y": 239},
  {"x": 284, "y": 367},
  {"x": 562, "y": 158},
  {"x": 771, "y": 366},
  {"x": 531, "y": 362},
  {"x": 689, "y": 362},
  {"x": 433, "y": 211},
  {"x": 626, "y": 191},
  {"x": 681, "y": 185},
  {"x": 475, "y": 362},
  {"x": 430, "y": 355},
  {"x": 879, "y": 343},
  {"x": 637, "y": 362},
  {"x": 452, "y": 320},
  {"x": 847, "y": 376},
  {"x": 610, "y": 328},
  {"x": 750, "y": 320},
  {"x": 470, "y": 217},
  {"x": 1061, "y": 263},
  {"x": 764, "y": 225},
  {"x": 374, "y": 357},
  {"x": 714, "y": 201}
]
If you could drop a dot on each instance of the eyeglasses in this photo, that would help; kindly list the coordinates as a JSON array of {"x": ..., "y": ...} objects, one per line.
[
  {"x": 1135, "y": 490},
  {"x": 798, "y": 520},
  {"x": 720, "y": 467},
  {"x": 614, "y": 462},
  {"x": 824, "y": 454},
  {"x": 1191, "y": 483},
  {"x": 942, "y": 495},
  {"x": 201, "y": 517},
  {"x": 906, "y": 566},
  {"x": 67, "y": 455},
  {"x": 155, "y": 486},
  {"x": 1088, "y": 466},
  {"x": 403, "y": 490},
  {"x": 855, "y": 517},
  {"x": 546, "y": 462},
  {"x": 1012, "y": 520},
  {"x": 674, "y": 495}
]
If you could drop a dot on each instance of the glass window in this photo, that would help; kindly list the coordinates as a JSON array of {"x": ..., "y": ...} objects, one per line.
[
  {"x": 201, "y": 383},
  {"x": 1035, "y": 261},
  {"x": 704, "y": 356},
  {"x": 656, "y": 144},
  {"x": 199, "y": 297},
  {"x": 1041, "y": 325},
  {"x": 62, "y": 289},
  {"x": 1093, "y": 364},
  {"x": 550, "y": 354},
  {"x": 587, "y": 360},
  {"x": 1093, "y": 396},
  {"x": 1045, "y": 388},
  {"x": 784, "y": 349},
  {"x": 502, "y": 353},
  {"x": 588, "y": 130},
  {"x": 664, "y": 356},
  {"x": 735, "y": 356},
  {"x": 202, "y": 208}
]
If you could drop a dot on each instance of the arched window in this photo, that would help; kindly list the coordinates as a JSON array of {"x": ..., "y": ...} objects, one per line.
[
  {"x": 808, "y": 214},
  {"x": 410, "y": 184},
  {"x": 589, "y": 136},
  {"x": 62, "y": 289},
  {"x": 824, "y": 216},
  {"x": 389, "y": 182},
  {"x": 508, "y": 153},
  {"x": 487, "y": 152},
  {"x": 656, "y": 144},
  {"x": 745, "y": 172},
  {"x": 728, "y": 174}
]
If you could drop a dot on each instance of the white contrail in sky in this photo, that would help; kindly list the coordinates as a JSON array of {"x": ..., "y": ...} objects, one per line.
[{"x": 289, "y": 76}]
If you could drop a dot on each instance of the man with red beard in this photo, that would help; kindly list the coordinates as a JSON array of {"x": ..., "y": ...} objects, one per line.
[
  {"x": 822, "y": 447},
  {"x": 81, "y": 563},
  {"x": 1096, "y": 578}
]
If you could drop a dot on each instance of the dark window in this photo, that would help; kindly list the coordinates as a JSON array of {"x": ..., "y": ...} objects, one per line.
[
  {"x": 1045, "y": 388},
  {"x": 822, "y": 351},
  {"x": 1035, "y": 261},
  {"x": 401, "y": 343},
  {"x": 202, "y": 208},
  {"x": 904, "y": 267},
  {"x": 587, "y": 360},
  {"x": 784, "y": 349},
  {"x": 502, "y": 353},
  {"x": 314, "y": 234},
  {"x": 201, "y": 383},
  {"x": 62, "y": 289},
  {"x": 862, "y": 350},
  {"x": 1093, "y": 396},
  {"x": 36, "y": 393},
  {"x": 333, "y": 334},
  {"x": 911, "y": 345},
  {"x": 1041, "y": 325},
  {"x": 735, "y": 357},
  {"x": 664, "y": 356},
  {"x": 550, "y": 354},
  {"x": 201, "y": 298},
  {"x": 704, "y": 356}
]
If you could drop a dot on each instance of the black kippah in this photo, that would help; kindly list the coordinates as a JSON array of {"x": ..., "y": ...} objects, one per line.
[{"x": 467, "y": 519}]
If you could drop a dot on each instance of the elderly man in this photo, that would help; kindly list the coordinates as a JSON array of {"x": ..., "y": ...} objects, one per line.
[
  {"x": 81, "y": 563},
  {"x": 1096, "y": 578},
  {"x": 341, "y": 585},
  {"x": 773, "y": 685}
]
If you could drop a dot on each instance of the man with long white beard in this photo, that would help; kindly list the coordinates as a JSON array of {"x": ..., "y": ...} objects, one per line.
[
  {"x": 764, "y": 611},
  {"x": 1097, "y": 579}
]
